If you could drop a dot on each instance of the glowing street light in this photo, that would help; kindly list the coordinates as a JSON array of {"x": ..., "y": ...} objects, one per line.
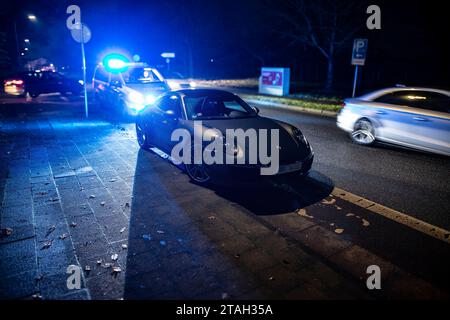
[
  {"x": 27, "y": 40},
  {"x": 32, "y": 17},
  {"x": 26, "y": 49}
]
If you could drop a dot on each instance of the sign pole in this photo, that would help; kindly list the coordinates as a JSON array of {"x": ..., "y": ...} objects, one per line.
[
  {"x": 86, "y": 109},
  {"x": 358, "y": 58},
  {"x": 355, "y": 80}
]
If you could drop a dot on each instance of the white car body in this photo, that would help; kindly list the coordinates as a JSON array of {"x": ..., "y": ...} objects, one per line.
[{"x": 416, "y": 118}]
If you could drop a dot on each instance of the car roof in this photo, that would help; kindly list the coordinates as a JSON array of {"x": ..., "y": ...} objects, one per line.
[
  {"x": 203, "y": 91},
  {"x": 376, "y": 94}
]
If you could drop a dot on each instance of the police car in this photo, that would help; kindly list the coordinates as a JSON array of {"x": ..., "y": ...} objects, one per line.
[{"x": 127, "y": 87}]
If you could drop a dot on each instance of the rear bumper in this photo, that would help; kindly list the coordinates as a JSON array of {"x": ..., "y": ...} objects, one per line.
[{"x": 14, "y": 91}]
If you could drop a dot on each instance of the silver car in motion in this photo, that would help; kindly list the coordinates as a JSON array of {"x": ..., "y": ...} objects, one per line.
[{"x": 417, "y": 118}]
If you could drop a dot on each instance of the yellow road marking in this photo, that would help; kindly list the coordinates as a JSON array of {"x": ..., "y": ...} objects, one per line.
[{"x": 419, "y": 225}]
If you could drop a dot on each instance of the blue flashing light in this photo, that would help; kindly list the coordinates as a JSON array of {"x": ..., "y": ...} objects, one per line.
[{"x": 115, "y": 63}]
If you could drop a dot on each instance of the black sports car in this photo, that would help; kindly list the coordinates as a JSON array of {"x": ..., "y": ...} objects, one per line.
[{"x": 184, "y": 121}]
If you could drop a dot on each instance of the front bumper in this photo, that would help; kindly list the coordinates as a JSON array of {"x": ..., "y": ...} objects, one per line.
[{"x": 251, "y": 173}]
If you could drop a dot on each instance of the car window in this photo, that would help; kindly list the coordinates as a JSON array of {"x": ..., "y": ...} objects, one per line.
[
  {"x": 171, "y": 102},
  {"x": 115, "y": 80},
  {"x": 417, "y": 99},
  {"x": 101, "y": 75},
  {"x": 217, "y": 106},
  {"x": 140, "y": 75},
  {"x": 434, "y": 101}
]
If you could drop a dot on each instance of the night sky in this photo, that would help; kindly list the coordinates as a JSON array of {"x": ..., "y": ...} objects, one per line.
[{"x": 233, "y": 39}]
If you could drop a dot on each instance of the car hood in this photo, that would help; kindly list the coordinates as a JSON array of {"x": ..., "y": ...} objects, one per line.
[
  {"x": 290, "y": 150},
  {"x": 149, "y": 88}
]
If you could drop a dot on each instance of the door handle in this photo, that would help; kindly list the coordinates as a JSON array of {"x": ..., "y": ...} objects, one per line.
[{"x": 420, "y": 119}]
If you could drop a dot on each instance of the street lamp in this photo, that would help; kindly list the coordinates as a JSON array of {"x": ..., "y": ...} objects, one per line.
[
  {"x": 26, "y": 49},
  {"x": 30, "y": 17}
]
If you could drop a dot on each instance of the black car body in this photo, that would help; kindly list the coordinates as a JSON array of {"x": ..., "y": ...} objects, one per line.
[
  {"x": 174, "y": 110},
  {"x": 35, "y": 83}
]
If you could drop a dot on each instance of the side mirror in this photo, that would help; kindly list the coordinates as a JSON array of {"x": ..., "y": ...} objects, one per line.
[{"x": 256, "y": 109}]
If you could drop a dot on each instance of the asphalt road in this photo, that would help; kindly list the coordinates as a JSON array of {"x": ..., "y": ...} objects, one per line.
[{"x": 412, "y": 182}]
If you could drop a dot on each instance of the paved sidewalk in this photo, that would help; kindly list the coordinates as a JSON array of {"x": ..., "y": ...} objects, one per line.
[{"x": 80, "y": 192}]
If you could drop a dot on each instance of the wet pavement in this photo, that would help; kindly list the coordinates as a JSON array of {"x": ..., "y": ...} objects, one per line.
[{"x": 81, "y": 192}]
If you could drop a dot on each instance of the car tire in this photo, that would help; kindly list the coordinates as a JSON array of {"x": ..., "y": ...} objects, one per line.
[
  {"x": 197, "y": 172},
  {"x": 363, "y": 133},
  {"x": 142, "y": 135}
]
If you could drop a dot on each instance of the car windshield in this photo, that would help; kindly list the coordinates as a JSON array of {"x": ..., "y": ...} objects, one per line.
[
  {"x": 141, "y": 75},
  {"x": 216, "y": 106}
]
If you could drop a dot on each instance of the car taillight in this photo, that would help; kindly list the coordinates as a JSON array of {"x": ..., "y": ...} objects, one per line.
[{"x": 14, "y": 82}]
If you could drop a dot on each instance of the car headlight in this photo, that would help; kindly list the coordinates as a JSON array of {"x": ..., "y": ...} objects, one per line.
[
  {"x": 299, "y": 137},
  {"x": 150, "y": 99},
  {"x": 136, "y": 97},
  {"x": 193, "y": 84}
]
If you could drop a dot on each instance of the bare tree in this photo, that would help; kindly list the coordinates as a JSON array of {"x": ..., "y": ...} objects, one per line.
[{"x": 326, "y": 25}]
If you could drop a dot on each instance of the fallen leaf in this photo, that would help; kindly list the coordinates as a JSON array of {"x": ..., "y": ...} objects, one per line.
[
  {"x": 211, "y": 218},
  {"x": 112, "y": 180},
  {"x": 116, "y": 270},
  {"x": 43, "y": 193},
  {"x": 162, "y": 242},
  {"x": 63, "y": 236},
  {"x": 87, "y": 268},
  {"x": 107, "y": 265},
  {"x": 50, "y": 230},
  {"x": 114, "y": 257},
  {"x": 103, "y": 203},
  {"x": 47, "y": 244},
  {"x": 124, "y": 247},
  {"x": 160, "y": 232},
  {"x": 365, "y": 223},
  {"x": 339, "y": 230},
  {"x": 99, "y": 262},
  {"x": 73, "y": 225},
  {"x": 6, "y": 232},
  {"x": 332, "y": 201},
  {"x": 127, "y": 205},
  {"x": 122, "y": 230},
  {"x": 337, "y": 207},
  {"x": 91, "y": 196},
  {"x": 349, "y": 215},
  {"x": 302, "y": 212}
]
